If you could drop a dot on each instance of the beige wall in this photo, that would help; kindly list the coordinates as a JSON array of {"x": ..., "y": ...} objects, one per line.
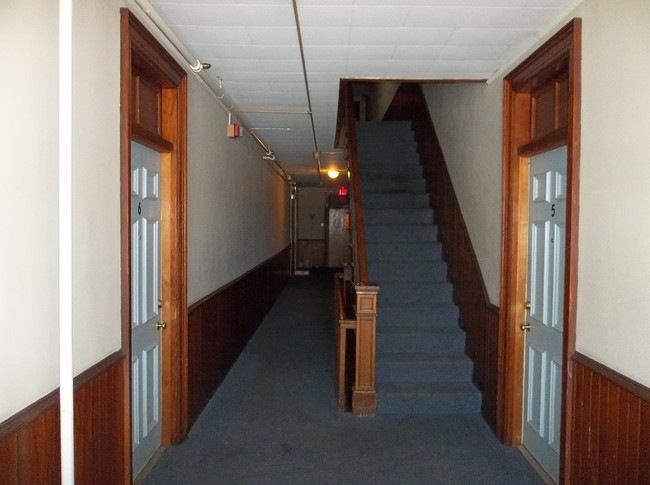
[
  {"x": 380, "y": 95},
  {"x": 614, "y": 234},
  {"x": 237, "y": 207},
  {"x": 467, "y": 118}
]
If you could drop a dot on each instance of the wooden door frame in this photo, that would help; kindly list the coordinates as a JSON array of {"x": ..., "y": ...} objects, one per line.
[
  {"x": 565, "y": 46},
  {"x": 141, "y": 52}
]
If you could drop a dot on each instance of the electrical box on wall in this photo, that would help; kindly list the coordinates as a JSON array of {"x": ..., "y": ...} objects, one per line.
[{"x": 233, "y": 131}]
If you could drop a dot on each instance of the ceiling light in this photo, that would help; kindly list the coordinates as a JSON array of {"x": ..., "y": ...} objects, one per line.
[{"x": 332, "y": 173}]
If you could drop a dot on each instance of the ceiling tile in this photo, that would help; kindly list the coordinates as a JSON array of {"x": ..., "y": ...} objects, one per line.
[
  {"x": 416, "y": 52},
  {"x": 326, "y": 66},
  {"x": 325, "y": 36},
  {"x": 272, "y": 35},
  {"x": 474, "y": 52},
  {"x": 490, "y": 37},
  {"x": 370, "y": 52},
  {"x": 373, "y": 36},
  {"x": 324, "y": 16},
  {"x": 326, "y": 52},
  {"x": 212, "y": 35},
  {"x": 367, "y": 16},
  {"x": 228, "y": 15}
]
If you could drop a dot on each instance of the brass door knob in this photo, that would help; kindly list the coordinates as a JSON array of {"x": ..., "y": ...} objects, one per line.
[
  {"x": 525, "y": 327},
  {"x": 161, "y": 325}
]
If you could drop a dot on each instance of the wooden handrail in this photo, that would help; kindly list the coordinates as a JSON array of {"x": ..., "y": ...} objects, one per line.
[{"x": 347, "y": 137}]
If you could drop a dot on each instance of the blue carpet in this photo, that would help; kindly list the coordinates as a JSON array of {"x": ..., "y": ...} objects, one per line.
[{"x": 274, "y": 420}]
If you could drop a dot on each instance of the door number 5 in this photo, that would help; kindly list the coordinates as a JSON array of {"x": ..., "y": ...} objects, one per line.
[{"x": 552, "y": 210}]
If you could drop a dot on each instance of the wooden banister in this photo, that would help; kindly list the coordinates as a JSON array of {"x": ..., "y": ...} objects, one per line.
[{"x": 364, "y": 394}]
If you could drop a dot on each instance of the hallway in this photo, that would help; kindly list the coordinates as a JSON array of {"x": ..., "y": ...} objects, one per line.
[{"x": 274, "y": 419}]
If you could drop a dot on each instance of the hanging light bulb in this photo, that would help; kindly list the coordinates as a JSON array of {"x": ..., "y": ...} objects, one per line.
[{"x": 332, "y": 173}]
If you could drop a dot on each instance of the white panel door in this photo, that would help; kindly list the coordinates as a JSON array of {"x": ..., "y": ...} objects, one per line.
[
  {"x": 145, "y": 311},
  {"x": 545, "y": 291}
]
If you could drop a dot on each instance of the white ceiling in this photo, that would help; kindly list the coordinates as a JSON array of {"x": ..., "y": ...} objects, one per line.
[{"x": 253, "y": 47}]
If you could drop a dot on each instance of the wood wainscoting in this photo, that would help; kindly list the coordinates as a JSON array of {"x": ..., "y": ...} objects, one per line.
[
  {"x": 29, "y": 441},
  {"x": 221, "y": 324},
  {"x": 478, "y": 317},
  {"x": 611, "y": 426}
]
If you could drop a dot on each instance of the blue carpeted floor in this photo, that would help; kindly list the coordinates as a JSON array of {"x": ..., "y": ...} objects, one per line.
[{"x": 274, "y": 420}]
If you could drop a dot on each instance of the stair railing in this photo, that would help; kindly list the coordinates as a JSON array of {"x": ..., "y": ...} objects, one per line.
[{"x": 364, "y": 394}]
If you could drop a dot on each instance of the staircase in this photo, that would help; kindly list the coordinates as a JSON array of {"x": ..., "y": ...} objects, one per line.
[{"x": 421, "y": 366}]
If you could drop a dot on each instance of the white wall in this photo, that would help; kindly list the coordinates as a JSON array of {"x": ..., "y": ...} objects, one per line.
[
  {"x": 614, "y": 231},
  {"x": 28, "y": 198},
  {"x": 237, "y": 208}
]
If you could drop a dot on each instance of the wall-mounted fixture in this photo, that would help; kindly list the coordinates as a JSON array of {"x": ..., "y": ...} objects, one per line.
[
  {"x": 331, "y": 162},
  {"x": 233, "y": 130}
]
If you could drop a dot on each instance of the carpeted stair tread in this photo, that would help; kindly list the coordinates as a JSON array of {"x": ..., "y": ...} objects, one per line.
[
  {"x": 436, "y": 316},
  {"x": 441, "y": 342},
  {"x": 422, "y": 368},
  {"x": 411, "y": 270},
  {"x": 421, "y": 358},
  {"x": 420, "y": 398},
  {"x": 404, "y": 251},
  {"x": 397, "y": 216},
  {"x": 395, "y": 185},
  {"x": 395, "y": 201},
  {"x": 414, "y": 292},
  {"x": 401, "y": 233}
]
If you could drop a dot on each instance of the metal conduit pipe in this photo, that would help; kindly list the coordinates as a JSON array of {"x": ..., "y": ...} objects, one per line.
[
  {"x": 145, "y": 7},
  {"x": 304, "y": 73}
]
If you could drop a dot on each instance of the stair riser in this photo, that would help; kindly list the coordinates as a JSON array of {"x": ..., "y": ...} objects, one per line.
[
  {"x": 403, "y": 252},
  {"x": 406, "y": 233},
  {"x": 393, "y": 185},
  {"x": 396, "y": 201},
  {"x": 417, "y": 372},
  {"x": 397, "y": 152},
  {"x": 439, "y": 293},
  {"x": 397, "y": 216},
  {"x": 439, "y": 320},
  {"x": 377, "y": 130},
  {"x": 401, "y": 403},
  {"x": 386, "y": 171},
  {"x": 443, "y": 344},
  {"x": 432, "y": 272}
]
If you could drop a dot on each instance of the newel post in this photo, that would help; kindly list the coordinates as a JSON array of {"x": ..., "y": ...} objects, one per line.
[{"x": 364, "y": 395}]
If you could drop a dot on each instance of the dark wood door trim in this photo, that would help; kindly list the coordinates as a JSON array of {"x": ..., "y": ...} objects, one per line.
[
  {"x": 558, "y": 54},
  {"x": 141, "y": 54}
]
